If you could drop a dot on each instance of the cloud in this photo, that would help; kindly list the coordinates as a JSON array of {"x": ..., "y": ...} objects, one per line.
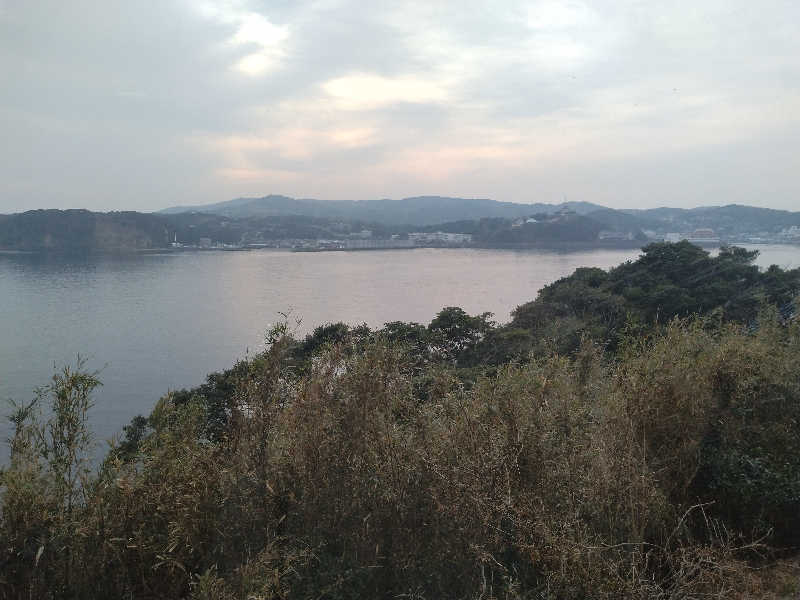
[
  {"x": 143, "y": 105},
  {"x": 262, "y": 39},
  {"x": 361, "y": 91}
]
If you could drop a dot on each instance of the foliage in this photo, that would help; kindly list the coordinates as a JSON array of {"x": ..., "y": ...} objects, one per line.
[
  {"x": 458, "y": 460},
  {"x": 666, "y": 281},
  {"x": 47, "y": 487},
  {"x": 574, "y": 228}
]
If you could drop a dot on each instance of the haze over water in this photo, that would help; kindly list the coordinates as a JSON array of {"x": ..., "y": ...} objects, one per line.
[{"x": 156, "y": 322}]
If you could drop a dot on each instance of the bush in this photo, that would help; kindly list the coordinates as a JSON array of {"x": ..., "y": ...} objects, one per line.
[{"x": 662, "y": 470}]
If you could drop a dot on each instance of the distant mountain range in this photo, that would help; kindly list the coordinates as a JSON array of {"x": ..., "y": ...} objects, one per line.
[
  {"x": 431, "y": 210},
  {"x": 420, "y": 210},
  {"x": 272, "y": 218}
]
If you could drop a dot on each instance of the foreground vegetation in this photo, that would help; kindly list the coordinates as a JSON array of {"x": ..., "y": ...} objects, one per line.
[{"x": 601, "y": 445}]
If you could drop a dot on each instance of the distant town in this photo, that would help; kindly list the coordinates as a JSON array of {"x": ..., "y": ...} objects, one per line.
[
  {"x": 361, "y": 240},
  {"x": 314, "y": 225},
  {"x": 366, "y": 239}
]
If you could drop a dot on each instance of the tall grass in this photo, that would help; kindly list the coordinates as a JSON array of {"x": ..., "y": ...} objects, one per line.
[{"x": 670, "y": 470}]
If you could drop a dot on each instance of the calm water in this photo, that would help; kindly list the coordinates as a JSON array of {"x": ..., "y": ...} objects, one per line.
[{"x": 159, "y": 322}]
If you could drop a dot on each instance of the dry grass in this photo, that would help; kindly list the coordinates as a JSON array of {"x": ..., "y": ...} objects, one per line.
[{"x": 580, "y": 477}]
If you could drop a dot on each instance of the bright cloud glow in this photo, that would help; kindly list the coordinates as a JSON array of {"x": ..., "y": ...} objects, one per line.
[
  {"x": 255, "y": 30},
  {"x": 262, "y": 40},
  {"x": 371, "y": 91}
]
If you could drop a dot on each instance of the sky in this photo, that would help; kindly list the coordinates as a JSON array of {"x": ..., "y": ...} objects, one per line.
[{"x": 141, "y": 105}]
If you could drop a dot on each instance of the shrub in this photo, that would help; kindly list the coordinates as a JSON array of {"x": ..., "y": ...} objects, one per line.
[{"x": 662, "y": 470}]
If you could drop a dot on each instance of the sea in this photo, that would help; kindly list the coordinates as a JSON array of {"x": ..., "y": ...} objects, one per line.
[{"x": 151, "y": 323}]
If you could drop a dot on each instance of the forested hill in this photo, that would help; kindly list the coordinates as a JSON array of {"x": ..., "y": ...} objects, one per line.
[
  {"x": 425, "y": 211},
  {"x": 492, "y": 224},
  {"x": 419, "y": 211},
  {"x": 86, "y": 231},
  {"x": 82, "y": 230},
  {"x": 728, "y": 219}
]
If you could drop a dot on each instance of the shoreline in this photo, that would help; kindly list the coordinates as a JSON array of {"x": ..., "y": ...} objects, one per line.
[{"x": 577, "y": 246}]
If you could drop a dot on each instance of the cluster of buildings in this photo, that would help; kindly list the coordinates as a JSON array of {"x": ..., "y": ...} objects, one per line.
[
  {"x": 362, "y": 241},
  {"x": 698, "y": 236},
  {"x": 203, "y": 243},
  {"x": 791, "y": 234},
  {"x": 362, "y": 244},
  {"x": 521, "y": 222},
  {"x": 707, "y": 237},
  {"x": 440, "y": 238},
  {"x": 616, "y": 236}
]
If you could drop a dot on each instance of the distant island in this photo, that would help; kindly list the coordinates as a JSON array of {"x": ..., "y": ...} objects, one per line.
[{"x": 306, "y": 224}]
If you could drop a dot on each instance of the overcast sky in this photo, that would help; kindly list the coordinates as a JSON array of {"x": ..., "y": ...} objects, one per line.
[{"x": 146, "y": 104}]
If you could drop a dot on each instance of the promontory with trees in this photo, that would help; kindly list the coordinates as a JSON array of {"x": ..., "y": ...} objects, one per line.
[{"x": 631, "y": 433}]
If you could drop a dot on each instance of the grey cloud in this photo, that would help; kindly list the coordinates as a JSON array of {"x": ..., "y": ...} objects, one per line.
[{"x": 136, "y": 105}]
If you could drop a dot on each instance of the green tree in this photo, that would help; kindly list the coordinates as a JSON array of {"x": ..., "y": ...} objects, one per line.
[{"x": 453, "y": 332}]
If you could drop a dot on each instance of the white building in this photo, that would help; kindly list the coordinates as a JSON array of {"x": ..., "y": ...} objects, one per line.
[
  {"x": 440, "y": 237},
  {"x": 615, "y": 235},
  {"x": 376, "y": 244}
]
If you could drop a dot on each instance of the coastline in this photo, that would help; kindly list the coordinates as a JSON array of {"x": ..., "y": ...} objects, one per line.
[{"x": 550, "y": 245}]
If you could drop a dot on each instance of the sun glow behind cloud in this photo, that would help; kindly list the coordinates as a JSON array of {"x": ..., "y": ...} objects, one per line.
[
  {"x": 362, "y": 91},
  {"x": 256, "y": 31},
  {"x": 261, "y": 39}
]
